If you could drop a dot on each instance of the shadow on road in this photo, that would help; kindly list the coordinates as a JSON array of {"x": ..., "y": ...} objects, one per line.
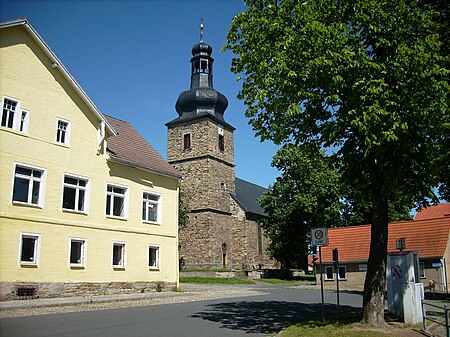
[{"x": 269, "y": 316}]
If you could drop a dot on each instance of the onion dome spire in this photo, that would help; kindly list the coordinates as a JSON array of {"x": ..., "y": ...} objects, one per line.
[{"x": 201, "y": 100}]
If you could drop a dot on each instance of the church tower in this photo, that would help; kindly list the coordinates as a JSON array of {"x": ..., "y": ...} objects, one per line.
[{"x": 201, "y": 147}]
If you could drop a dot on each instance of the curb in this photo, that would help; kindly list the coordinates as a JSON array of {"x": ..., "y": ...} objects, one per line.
[{"x": 65, "y": 301}]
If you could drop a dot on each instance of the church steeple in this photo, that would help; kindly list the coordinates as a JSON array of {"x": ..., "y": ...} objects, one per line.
[{"x": 201, "y": 100}]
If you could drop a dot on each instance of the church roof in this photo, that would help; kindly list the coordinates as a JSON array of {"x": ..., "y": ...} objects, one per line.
[
  {"x": 129, "y": 148},
  {"x": 247, "y": 195}
]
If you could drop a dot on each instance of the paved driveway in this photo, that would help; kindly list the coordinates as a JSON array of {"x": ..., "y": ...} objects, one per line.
[{"x": 271, "y": 309}]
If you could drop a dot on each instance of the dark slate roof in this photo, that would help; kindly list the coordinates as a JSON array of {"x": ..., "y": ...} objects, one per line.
[
  {"x": 128, "y": 147},
  {"x": 247, "y": 195}
]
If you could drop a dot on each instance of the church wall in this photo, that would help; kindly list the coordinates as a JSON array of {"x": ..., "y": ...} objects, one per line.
[
  {"x": 249, "y": 242},
  {"x": 201, "y": 241}
]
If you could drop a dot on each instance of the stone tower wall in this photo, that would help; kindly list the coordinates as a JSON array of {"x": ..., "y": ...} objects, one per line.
[
  {"x": 201, "y": 241},
  {"x": 204, "y": 142},
  {"x": 208, "y": 173}
]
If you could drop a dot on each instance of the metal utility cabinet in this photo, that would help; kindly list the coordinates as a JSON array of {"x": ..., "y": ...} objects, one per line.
[{"x": 404, "y": 290}]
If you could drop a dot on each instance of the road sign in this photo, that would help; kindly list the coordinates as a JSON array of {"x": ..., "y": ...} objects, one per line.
[{"x": 319, "y": 237}]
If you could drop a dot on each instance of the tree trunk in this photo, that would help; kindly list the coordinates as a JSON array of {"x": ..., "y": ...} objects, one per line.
[{"x": 375, "y": 283}]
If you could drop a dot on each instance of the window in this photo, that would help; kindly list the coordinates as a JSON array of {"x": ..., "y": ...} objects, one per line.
[
  {"x": 153, "y": 257},
  {"x": 329, "y": 273},
  {"x": 74, "y": 194},
  {"x": 422, "y": 269},
  {"x": 28, "y": 185},
  {"x": 221, "y": 143},
  {"x": 151, "y": 208},
  {"x": 77, "y": 252},
  {"x": 118, "y": 257},
  {"x": 342, "y": 272},
  {"x": 187, "y": 141},
  {"x": 13, "y": 117},
  {"x": 62, "y": 131},
  {"x": 116, "y": 200},
  {"x": 29, "y": 248}
]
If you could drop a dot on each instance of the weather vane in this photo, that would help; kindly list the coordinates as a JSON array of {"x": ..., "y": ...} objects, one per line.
[{"x": 201, "y": 30}]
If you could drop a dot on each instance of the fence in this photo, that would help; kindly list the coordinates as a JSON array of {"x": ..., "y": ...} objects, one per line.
[{"x": 439, "y": 316}]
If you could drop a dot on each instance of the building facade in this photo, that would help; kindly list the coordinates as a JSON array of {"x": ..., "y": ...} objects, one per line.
[
  {"x": 87, "y": 206},
  {"x": 428, "y": 237},
  {"x": 221, "y": 232}
]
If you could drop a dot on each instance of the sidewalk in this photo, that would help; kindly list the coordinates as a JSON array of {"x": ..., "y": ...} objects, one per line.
[{"x": 64, "y": 301}]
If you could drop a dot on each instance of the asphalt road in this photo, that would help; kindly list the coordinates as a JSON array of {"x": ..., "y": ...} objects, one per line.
[{"x": 276, "y": 308}]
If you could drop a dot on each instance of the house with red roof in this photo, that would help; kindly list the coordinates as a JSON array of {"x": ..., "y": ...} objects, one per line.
[
  {"x": 428, "y": 236},
  {"x": 435, "y": 211}
]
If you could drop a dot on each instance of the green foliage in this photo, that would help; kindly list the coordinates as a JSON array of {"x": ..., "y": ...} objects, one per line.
[
  {"x": 337, "y": 327},
  {"x": 159, "y": 288},
  {"x": 365, "y": 80},
  {"x": 369, "y": 78},
  {"x": 305, "y": 196},
  {"x": 183, "y": 210}
]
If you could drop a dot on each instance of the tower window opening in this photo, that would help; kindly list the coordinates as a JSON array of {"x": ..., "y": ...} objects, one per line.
[
  {"x": 201, "y": 66},
  {"x": 187, "y": 141},
  {"x": 221, "y": 143}
]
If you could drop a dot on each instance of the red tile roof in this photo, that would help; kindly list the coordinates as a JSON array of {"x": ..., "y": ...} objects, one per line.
[
  {"x": 130, "y": 148},
  {"x": 431, "y": 212},
  {"x": 428, "y": 237}
]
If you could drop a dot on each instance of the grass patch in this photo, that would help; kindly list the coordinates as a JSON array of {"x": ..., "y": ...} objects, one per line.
[
  {"x": 204, "y": 270},
  {"x": 295, "y": 279},
  {"x": 276, "y": 281},
  {"x": 334, "y": 327},
  {"x": 215, "y": 280}
]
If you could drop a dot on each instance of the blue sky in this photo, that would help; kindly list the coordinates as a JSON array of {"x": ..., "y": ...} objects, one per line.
[{"x": 132, "y": 59}]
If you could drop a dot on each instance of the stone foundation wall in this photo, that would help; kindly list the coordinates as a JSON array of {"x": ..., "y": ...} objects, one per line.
[{"x": 29, "y": 290}]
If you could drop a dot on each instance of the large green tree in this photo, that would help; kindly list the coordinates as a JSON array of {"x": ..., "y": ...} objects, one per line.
[
  {"x": 368, "y": 79},
  {"x": 306, "y": 195}
]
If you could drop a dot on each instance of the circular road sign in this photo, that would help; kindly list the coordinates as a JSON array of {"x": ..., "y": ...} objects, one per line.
[{"x": 318, "y": 234}]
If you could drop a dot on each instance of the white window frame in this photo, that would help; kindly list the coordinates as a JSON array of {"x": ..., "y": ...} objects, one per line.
[
  {"x": 345, "y": 272},
  {"x": 66, "y": 132},
  {"x": 326, "y": 274},
  {"x": 20, "y": 119},
  {"x": 334, "y": 271},
  {"x": 30, "y": 179},
  {"x": 77, "y": 188},
  {"x": 82, "y": 263},
  {"x": 158, "y": 257},
  {"x": 146, "y": 203},
  {"x": 36, "y": 252},
  {"x": 124, "y": 255},
  {"x": 113, "y": 194},
  {"x": 422, "y": 273}
]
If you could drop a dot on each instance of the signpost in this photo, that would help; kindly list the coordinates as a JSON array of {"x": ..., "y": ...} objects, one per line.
[
  {"x": 319, "y": 237},
  {"x": 336, "y": 266}
]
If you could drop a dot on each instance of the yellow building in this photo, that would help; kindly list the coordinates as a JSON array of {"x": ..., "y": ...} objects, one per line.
[{"x": 87, "y": 206}]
